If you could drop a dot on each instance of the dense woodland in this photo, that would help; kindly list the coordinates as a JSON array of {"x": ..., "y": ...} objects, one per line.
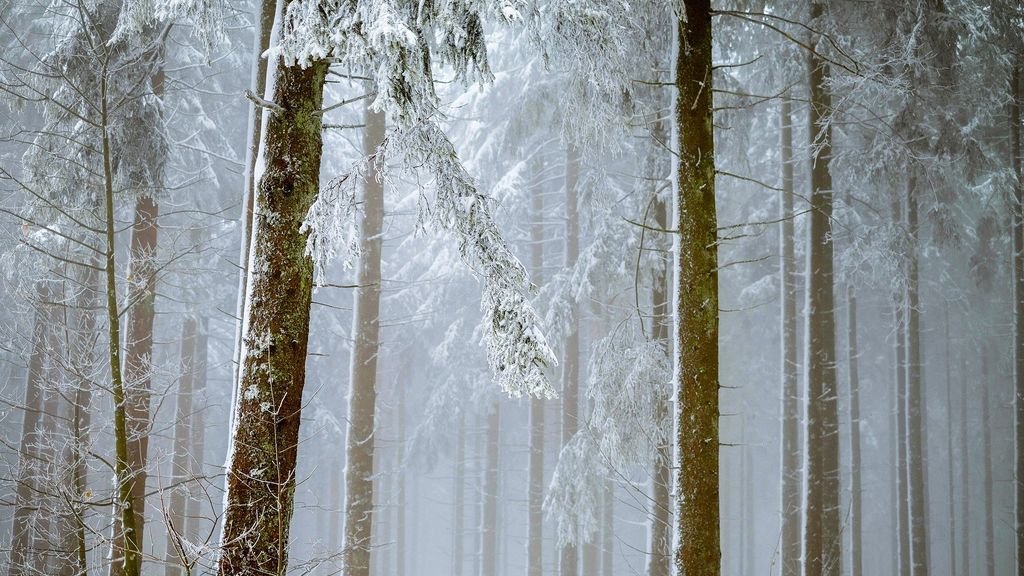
[{"x": 511, "y": 287}]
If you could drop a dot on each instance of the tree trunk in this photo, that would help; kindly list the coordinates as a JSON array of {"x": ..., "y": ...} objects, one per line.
[
  {"x": 903, "y": 504},
  {"x": 400, "y": 541},
  {"x": 569, "y": 558},
  {"x": 194, "y": 510},
  {"x": 987, "y": 483},
  {"x": 791, "y": 469},
  {"x": 261, "y": 463},
  {"x": 916, "y": 447},
  {"x": 138, "y": 350},
  {"x": 126, "y": 551},
  {"x": 458, "y": 506},
  {"x": 362, "y": 400},
  {"x": 698, "y": 551},
  {"x": 28, "y": 449},
  {"x": 965, "y": 475},
  {"x": 608, "y": 524},
  {"x": 176, "y": 553},
  {"x": 856, "y": 548},
  {"x": 1018, "y": 308},
  {"x": 83, "y": 361},
  {"x": 822, "y": 544},
  {"x": 489, "y": 520},
  {"x": 535, "y": 489},
  {"x": 660, "y": 517},
  {"x": 949, "y": 450},
  {"x": 264, "y": 16}
]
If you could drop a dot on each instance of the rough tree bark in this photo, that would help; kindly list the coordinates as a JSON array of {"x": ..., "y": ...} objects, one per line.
[
  {"x": 535, "y": 489},
  {"x": 791, "y": 469},
  {"x": 569, "y": 558},
  {"x": 261, "y": 463},
  {"x": 697, "y": 516},
  {"x": 853, "y": 378},
  {"x": 362, "y": 399},
  {"x": 174, "y": 514}
]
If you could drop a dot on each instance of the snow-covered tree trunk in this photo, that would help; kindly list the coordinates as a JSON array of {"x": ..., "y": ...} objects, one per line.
[
  {"x": 1018, "y": 308},
  {"x": 659, "y": 562},
  {"x": 28, "y": 457},
  {"x": 265, "y": 427},
  {"x": 489, "y": 519},
  {"x": 853, "y": 378},
  {"x": 792, "y": 476},
  {"x": 174, "y": 515},
  {"x": 698, "y": 549},
  {"x": 916, "y": 422},
  {"x": 535, "y": 489},
  {"x": 822, "y": 534},
  {"x": 569, "y": 557},
  {"x": 194, "y": 519},
  {"x": 362, "y": 400},
  {"x": 264, "y": 16}
]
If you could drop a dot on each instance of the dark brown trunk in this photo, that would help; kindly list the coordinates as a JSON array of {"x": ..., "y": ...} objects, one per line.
[
  {"x": 822, "y": 535},
  {"x": 261, "y": 465},
  {"x": 698, "y": 552}
]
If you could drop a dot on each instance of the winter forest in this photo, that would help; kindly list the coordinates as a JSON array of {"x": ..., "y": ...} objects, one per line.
[{"x": 511, "y": 287}]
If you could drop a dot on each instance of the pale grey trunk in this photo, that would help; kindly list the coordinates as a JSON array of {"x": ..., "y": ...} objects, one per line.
[
  {"x": 986, "y": 453},
  {"x": 791, "y": 455},
  {"x": 195, "y": 522},
  {"x": 535, "y": 488},
  {"x": 458, "y": 505},
  {"x": 569, "y": 558},
  {"x": 917, "y": 449},
  {"x": 177, "y": 553},
  {"x": 853, "y": 379},
  {"x": 359, "y": 470},
  {"x": 489, "y": 519}
]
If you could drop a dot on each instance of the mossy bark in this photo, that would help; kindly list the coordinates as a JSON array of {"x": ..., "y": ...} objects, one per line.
[
  {"x": 698, "y": 552},
  {"x": 261, "y": 466}
]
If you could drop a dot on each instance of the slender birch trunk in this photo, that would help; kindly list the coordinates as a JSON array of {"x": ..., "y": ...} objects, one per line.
[{"x": 698, "y": 551}]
